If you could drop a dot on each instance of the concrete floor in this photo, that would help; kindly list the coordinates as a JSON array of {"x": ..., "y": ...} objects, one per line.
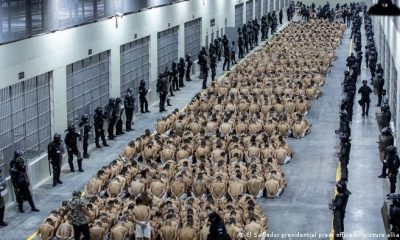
[
  {"x": 363, "y": 212},
  {"x": 48, "y": 198},
  {"x": 303, "y": 206}
]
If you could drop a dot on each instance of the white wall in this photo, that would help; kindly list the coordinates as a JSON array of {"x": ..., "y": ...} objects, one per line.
[
  {"x": 54, "y": 51},
  {"x": 392, "y": 36}
]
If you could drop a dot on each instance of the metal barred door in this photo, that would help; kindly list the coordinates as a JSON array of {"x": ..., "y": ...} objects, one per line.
[
  {"x": 25, "y": 122},
  {"x": 87, "y": 85},
  {"x": 249, "y": 10},
  {"x": 167, "y": 49},
  {"x": 258, "y": 9},
  {"x": 239, "y": 15},
  {"x": 271, "y": 6},
  {"x": 193, "y": 37},
  {"x": 265, "y": 7},
  {"x": 135, "y": 65}
]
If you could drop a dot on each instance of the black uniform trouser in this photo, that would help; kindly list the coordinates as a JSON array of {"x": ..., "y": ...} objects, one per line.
[
  {"x": 56, "y": 166},
  {"x": 85, "y": 144},
  {"x": 119, "y": 126},
  {"x": 213, "y": 73},
  {"x": 338, "y": 223},
  {"x": 175, "y": 84},
  {"x": 233, "y": 58},
  {"x": 343, "y": 168},
  {"x": 392, "y": 181},
  {"x": 111, "y": 125},
  {"x": 181, "y": 75},
  {"x": 81, "y": 230},
  {"x": 227, "y": 61},
  {"x": 2, "y": 209},
  {"x": 163, "y": 98},
  {"x": 241, "y": 51},
  {"x": 205, "y": 76},
  {"x": 262, "y": 35},
  {"x": 256, "y": 39},
  {"x": 71, "y": 152},
  {"x": 171, "y": 92},
  {"x": 23, "y": 193},
  {"x": 246, "y": 46},
  {"x": 129, "y": 116},
  {"x": 99, "y": 133},
  {"x": 365, "y": 106},
  {"x": 188, "y": 73},
  {"x": 144, "y": 105}
]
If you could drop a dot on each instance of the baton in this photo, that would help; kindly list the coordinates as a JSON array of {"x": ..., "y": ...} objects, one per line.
[{"x": 49, "y": 169}]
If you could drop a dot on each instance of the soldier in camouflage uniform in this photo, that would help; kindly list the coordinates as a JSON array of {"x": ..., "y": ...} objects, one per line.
[{"x": 77, "y": 211}]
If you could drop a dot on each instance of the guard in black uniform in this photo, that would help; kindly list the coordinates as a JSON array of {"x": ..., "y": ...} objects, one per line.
[
  {"x": 20, "y": 181},
  {"x": 111, "y": 117},
  {"x": 55, "y": 151},
  {"x": 240, "y": 43},
  {"x": 71, "y": 141},
  {"x": 189, "y": 64},
  {"x": 394, "y": 215},
  {"x": 181, "y": 71},
  {"x": 174, "y": 76},
  {"x": 99, "y": 118},
  {"x": 119, "y": 109},
  {"x": 162, "y": 88},
  {"x": 129, "y": 104},
  {"x": 264, "y": 28},
  {"x": 85, "y": 127},
  {"x": 227, "y": 53},
  {"x": 338, "y": 207},
  {"x": 213, "y": 65},
  {"x": 144, "y": 105},
  {"x": 364, "y": 102}
]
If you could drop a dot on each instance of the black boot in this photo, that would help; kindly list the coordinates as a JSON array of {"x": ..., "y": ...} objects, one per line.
[
  {"x": 21, "y": 207},
  {"x": 85, "y": 155},
  {"x": 80, "y": 165},
  {"x": 2, "y": 223},
  {"x": 98, "y": 145},
  {"x": 168, "y": 103},
  {"x": 33, "y": 208},
  {"x": 71, "y": 166},
  {"x": 105, "y": 144}
]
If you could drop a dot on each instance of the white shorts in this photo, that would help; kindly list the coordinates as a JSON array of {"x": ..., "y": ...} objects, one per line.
[{"x": 143, "y": 232}]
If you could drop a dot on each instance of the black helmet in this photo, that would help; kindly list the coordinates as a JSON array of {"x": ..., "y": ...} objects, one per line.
[
  {"x": 57, "y": 137},
  {"x": 98, "y": 109},
  {"x": 180, "y": 60},
  {"x": 76, "y": 193},
  {"x": 386, "y": 131},
  {"x": 71, "y": 128},
  {"x": 129, "y": 90},
  {"x": 391, "y": 149},
  {"x": 142, "y": 82},
  {"x": 364, "y": 82},
  {"x": 85, "y": 117},
  {"x": 18, "y": 153},
  {"x": 111, "y": 100},
  {"x": 118, "y": 100}
]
